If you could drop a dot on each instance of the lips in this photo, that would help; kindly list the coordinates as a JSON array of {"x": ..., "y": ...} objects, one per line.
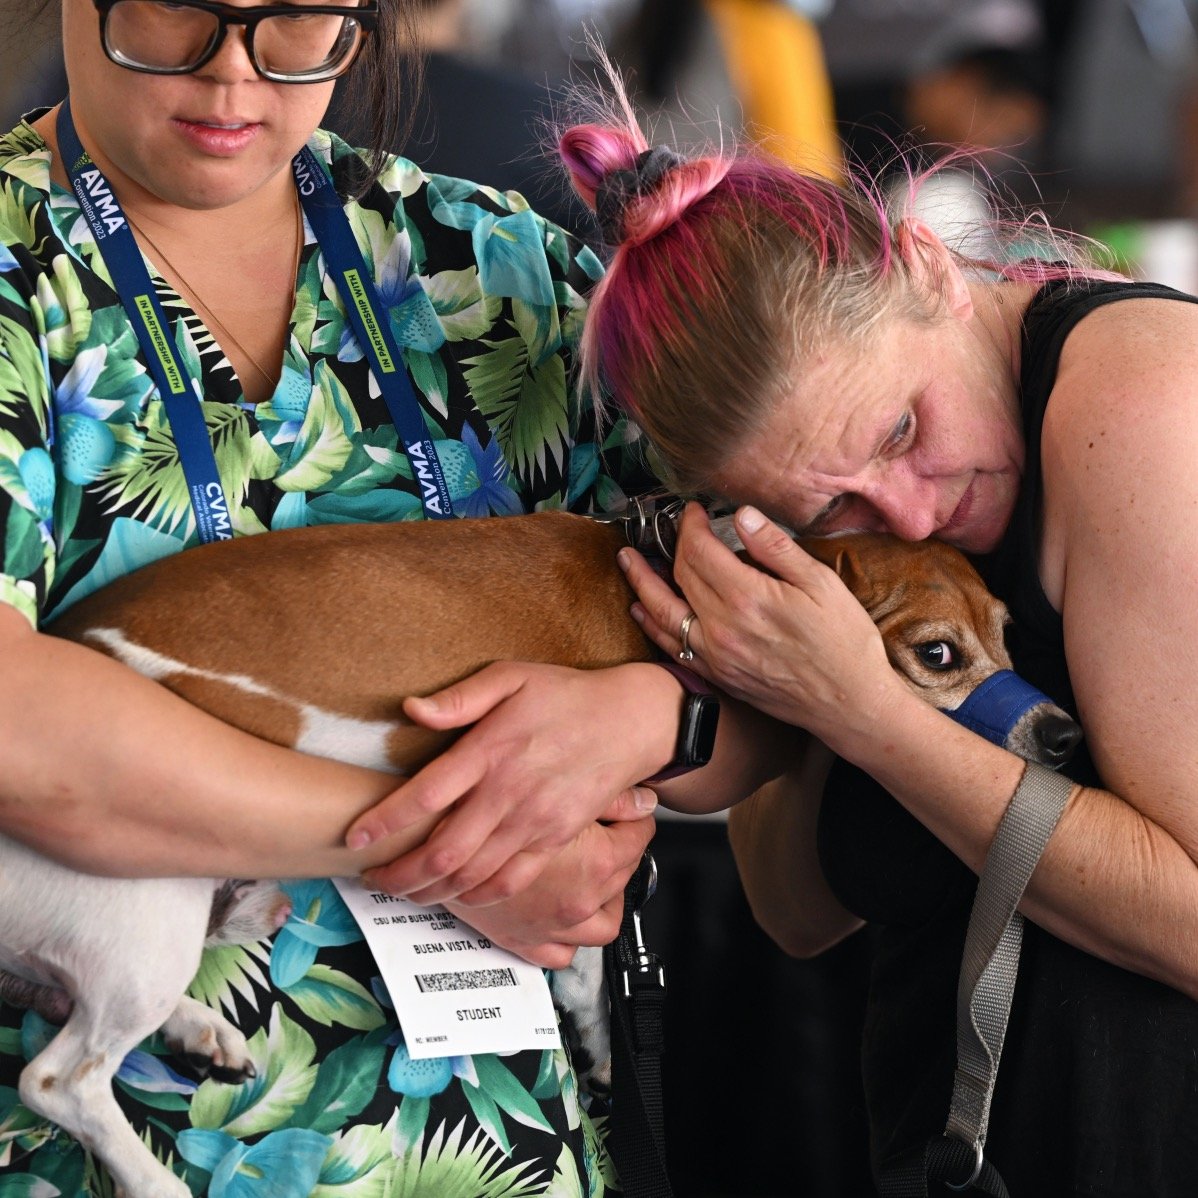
[
  {"x": 218, "y": 136},
  {"x": 961, "y": 512},
  {"x": 217, "y": 122}
]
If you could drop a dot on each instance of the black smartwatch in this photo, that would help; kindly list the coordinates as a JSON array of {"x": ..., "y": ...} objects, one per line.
[{"x": 700, "y": 718}]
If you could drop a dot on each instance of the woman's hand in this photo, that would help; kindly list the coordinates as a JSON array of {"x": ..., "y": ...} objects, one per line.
[
  {"x": 551, "y": 750},
  {"x": 793, "y": 642},
  {"x": 577, "y": 900}
]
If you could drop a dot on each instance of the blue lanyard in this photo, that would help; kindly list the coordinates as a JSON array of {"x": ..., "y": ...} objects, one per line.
[
  {"x": 132, "y": 282},
  {"x": 179, "y": 393},
  {"x": 372, "y": 327}
]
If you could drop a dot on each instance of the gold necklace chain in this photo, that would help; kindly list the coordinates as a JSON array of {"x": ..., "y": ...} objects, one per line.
[{"x": 211, "y": 317}]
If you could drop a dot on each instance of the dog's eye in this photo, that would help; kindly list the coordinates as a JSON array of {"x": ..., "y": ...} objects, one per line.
[{"x": 937, "y": 655}]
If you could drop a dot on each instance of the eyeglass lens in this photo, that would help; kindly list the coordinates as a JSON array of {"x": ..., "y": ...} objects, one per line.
[{"x": 161, "y": 36}]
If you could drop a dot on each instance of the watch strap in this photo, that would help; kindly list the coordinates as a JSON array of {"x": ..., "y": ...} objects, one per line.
[{"x": 697, "y": 692}]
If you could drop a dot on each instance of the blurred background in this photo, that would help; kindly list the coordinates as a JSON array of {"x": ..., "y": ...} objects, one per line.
[{"x": 1085, "y": 108}]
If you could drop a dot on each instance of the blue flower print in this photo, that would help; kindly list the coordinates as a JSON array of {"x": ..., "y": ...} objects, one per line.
[
  {"x": 413, "y": 319},
  {"x": 424, "y": 1079},
  {"x": 293, "y": 394},
  {"x": 139, "y": 1070},
  {"x": 282, "y": 416},
  {"x": 74, "y": 393},
  {"x": 86, "y": 442},
  {"x": 36, "y": 469},
  {"x": 86, "y": 446},
  {"x": 318, "y": 919},
  {"x": 418, "y": 1079},
  {"x": 477, "y": 477},
  {"x": 511, "y": 259},
  {"x": 283, "y": 1164},
  {"x": 150, "y": 1074}
]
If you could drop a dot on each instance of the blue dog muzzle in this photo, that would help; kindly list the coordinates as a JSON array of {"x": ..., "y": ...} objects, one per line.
[{"x": 994, "y": 707}]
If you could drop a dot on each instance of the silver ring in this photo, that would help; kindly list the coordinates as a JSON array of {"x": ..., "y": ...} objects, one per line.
[
  {"x": 978, "y": 1161},
  {"x": 686, "y": 653}
]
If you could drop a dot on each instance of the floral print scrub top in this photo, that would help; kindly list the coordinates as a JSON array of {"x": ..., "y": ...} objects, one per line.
[{"x": 486, "y": 299}]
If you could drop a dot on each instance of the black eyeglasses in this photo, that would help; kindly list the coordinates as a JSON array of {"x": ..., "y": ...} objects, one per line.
[{"x": 286, "y": 43}]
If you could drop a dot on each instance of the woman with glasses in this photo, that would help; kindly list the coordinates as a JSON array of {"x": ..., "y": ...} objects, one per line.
[{"x": 182, "y": 227}]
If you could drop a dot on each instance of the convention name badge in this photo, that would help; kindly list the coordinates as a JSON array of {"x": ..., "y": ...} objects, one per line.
[{"x": 455, "y": 992}]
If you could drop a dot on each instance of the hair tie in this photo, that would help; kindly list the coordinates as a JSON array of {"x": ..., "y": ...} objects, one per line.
[{"x": 619, "y": 188}]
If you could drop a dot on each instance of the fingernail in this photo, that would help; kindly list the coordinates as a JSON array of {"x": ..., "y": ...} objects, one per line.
[
  {"x": 624, "y": 558},
  {"x": 637, "y": 612},
  {"x": 427, "y": 701},
  {"x": 359, "y": 838},
  {"x": 750, "y": 519},
  {"x": 644, "y": 799}
]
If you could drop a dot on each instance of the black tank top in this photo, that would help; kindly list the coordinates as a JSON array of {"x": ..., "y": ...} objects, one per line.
[{"x": 1097, "y": 1090}]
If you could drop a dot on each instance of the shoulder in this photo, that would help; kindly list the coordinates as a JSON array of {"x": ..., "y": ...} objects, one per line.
[
  {"x": 1128, "y": 371},
  {"x": 1120, "y": 433}
]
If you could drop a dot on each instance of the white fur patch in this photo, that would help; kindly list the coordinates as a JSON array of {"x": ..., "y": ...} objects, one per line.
[
  {"x": 323, "y": 733},
  {"x": 357, "y": 742}
]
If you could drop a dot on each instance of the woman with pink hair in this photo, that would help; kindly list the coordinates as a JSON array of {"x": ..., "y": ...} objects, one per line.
[{"x": 791, "y": 347}]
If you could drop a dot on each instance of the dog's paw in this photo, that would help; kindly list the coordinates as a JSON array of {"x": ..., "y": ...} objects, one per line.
[
  {"x": 580, "y": 995},
  {"x": 207, "y": 1044},
  {"x": 202, "y": 1067}
]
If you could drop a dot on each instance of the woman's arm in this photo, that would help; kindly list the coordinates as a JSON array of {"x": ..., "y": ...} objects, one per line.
[
  {"x": 773, "y": 837},
  {"x": 110, "y": 773}
]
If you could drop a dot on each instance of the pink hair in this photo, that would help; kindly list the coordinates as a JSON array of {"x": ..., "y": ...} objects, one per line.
[{"x": 728, "y": 272}]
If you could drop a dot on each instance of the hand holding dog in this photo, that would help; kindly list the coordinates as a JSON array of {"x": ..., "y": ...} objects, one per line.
[
  {"x": 577, "y": 901},
  {"x": 788, "y": 638},
  {"x": 551, "y": 750}
]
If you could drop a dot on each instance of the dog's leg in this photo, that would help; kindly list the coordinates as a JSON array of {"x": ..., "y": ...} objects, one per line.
[
  {"x": 70, "y": 1080},
  {"x": 580, "y": 994},
  {"x": 245, "y": 911},
  {"x": 208, "y": 1042}
]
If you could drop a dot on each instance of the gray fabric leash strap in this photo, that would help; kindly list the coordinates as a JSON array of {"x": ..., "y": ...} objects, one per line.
[
  {"x": 990, "y": 961},
  {"x": 989, "y": 966}
]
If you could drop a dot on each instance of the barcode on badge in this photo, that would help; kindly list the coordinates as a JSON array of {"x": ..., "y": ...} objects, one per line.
[{"x": 469, "y": 979}]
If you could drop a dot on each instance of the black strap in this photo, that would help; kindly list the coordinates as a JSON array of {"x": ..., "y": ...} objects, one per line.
[
  {"x": 637, "y": 989},
  {"x": 943, "y": 1160}
]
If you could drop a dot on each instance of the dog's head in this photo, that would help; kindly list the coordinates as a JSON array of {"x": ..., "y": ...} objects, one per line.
[{"x": 943, "y": 632}]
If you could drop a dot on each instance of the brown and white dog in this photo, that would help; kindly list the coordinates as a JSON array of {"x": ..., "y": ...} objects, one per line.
[{"x": 537, "y": 588}]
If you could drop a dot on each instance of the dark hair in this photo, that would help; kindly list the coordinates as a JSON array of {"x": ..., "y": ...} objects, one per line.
[{"x": 389, "y": 69}]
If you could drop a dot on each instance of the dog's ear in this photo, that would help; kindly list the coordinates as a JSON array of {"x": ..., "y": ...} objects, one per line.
[
  {"x": 847, "y": 564},
  {"x": 843, "y": 556}
]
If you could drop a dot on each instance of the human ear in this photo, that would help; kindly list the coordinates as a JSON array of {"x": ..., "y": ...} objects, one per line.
[{"x": 933, "y": 266}]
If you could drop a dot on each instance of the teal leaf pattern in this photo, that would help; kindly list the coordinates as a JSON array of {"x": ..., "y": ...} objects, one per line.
[
  {"x": 329, "y": 996},
  {"x": 267, "y": 1101},
  {"x": 488, "y": 300}
]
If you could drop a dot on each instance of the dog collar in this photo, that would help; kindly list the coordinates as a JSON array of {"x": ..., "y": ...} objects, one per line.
[{"x": 994, "y": 707}]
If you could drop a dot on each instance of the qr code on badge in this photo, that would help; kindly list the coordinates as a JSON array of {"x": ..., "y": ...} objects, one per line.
[{"x": 470, "y": 979}]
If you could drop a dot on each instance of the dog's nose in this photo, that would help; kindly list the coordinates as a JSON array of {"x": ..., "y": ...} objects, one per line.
[{"x": 1058, "y": 736}]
